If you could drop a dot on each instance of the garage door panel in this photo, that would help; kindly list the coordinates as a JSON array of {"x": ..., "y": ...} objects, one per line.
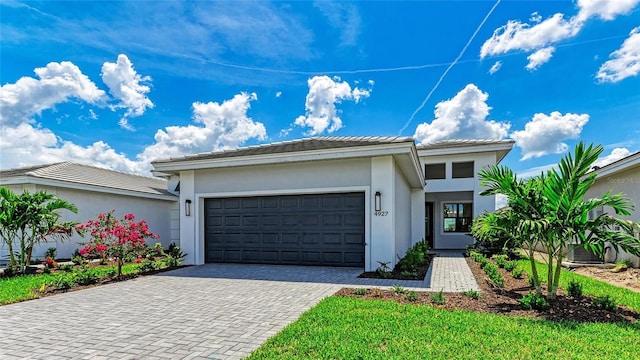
[
  {"x": 232, "y": 220},
  {"x": 290, "y": 238},
  {"x": 315, "y": 229}
]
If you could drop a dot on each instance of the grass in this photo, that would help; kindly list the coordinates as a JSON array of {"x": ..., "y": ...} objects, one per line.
[
  {"x": 590, "y": 286},
  {"x": 25, "y": 287},
  {"x": 349, "y": 328}
]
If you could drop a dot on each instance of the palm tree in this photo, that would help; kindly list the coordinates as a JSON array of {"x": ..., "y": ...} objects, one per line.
[
  {"x": 550, "y": 210},
  {"x": 31, "y": 219}
]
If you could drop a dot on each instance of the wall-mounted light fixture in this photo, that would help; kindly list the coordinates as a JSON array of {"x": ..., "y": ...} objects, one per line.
[
  {"x": 187, "y": 207},
  {"x": 378, "y": 201}
]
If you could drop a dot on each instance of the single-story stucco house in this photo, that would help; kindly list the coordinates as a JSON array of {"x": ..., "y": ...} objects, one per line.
[
  {"x": 622, "y": 176},
  {"x": 94, "y": 190},
  {"x": 333, "y": 201}
]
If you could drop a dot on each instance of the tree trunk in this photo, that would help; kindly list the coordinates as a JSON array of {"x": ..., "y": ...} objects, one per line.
[
  {"x": 534, "y": 272},
  {"x": 119, "y": 262},
  {"x": 550, "y": 284}
]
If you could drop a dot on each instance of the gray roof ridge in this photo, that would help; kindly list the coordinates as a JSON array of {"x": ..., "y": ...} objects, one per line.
[
  {"x": 63, "y": 164},
  {"x": 372, "y": 139}
]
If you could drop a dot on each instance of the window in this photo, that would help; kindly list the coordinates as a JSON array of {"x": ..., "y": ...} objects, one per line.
[
  {"x": 434, "y": 171},
  {"x": 462, "y": 170},
  {"x": 457, "y": 217}
]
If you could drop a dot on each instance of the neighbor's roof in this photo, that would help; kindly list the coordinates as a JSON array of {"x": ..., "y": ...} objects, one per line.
[
  {"x": 448, "y": 144},
  {"x": 301, "y": 145},
  {"x": 623, "y": 164},
  {"x": 78, "y": 174}
]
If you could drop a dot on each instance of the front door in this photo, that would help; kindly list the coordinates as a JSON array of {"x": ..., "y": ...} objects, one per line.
[{"x": 428, "y": 223}]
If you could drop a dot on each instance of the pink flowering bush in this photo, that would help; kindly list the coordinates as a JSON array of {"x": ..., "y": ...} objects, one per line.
[{"x": 115, "y": 238}]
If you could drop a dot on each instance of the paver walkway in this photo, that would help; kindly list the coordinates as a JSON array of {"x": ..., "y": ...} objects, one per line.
[{"x": 216, "y": 311}]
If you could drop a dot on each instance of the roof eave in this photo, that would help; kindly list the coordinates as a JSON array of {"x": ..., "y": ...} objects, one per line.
[
  {"x": 29, "y": 179},
  {"x": 266, "y": 159}
]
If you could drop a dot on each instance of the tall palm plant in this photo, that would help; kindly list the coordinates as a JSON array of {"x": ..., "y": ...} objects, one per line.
[
  {"x": 29, "y": 219},
  {"x": 551, "y": 211}
]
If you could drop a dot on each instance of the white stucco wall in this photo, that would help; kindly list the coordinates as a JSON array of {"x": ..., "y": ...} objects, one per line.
[
  {"x": 90, "y": 203},
  {"x": 350, "y": 175},
  {"x": 627, "y": 182},
  {"x": 451, "y": 190},
  {"x": 402, "y": 214}
]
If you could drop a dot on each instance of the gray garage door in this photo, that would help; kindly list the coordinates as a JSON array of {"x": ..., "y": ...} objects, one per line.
[{"x": 315, "y": 229}]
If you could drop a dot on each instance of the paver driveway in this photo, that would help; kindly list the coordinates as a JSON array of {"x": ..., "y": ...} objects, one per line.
[{"x": 211, "y": 311}]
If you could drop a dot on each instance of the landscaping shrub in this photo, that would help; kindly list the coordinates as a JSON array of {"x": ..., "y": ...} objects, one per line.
[
  {"x": 574, "y": 289},
  {"x": 174, "y": 254},
  {"x": 494, "y": 274},
  {"x": 500, "y": 260},
  {"x": 398, "y": 289},
  {"x": 472, "y": 294},
  {"x": 510, "y": 265},
  {"x": 412, "y": 296},
  {"x": 64, "y": 282},
  {"x": 86, "y": 276},
  {"x": 534, "y": 301},
  {"x": 383, "y": 269},
  {"x": 517, "y": 273},
  {"x": 414, "y": 257},
  {"x": 360, "y": 291},
  {"x": 605, "y": 302},
  {"x": 438, "y": 298},
  {"x": 119, "y": 239}
]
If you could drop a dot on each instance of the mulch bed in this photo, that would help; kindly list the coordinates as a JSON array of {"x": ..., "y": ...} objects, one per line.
[
  {"x": 396, "y": 273},
  {"x": 505, "y": 301}
]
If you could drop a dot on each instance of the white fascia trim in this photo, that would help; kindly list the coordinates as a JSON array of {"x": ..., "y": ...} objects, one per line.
[
  {"x": 311, "y": 155},
  {"x": 415, "y": 158},
  {"x": 466, "y": 149},
  {"x": 75, "y": 186},
  {"x": 619, "y": 166}
]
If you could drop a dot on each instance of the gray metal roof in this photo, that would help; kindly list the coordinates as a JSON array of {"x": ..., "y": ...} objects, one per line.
[
  {"x": 90, "y": 175},
  {"x": 447, "y": 144},
  {"x": 301, "y": 145}
]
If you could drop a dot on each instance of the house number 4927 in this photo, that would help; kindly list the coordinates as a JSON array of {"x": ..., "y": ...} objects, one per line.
[{"x": 381, "y": 213}]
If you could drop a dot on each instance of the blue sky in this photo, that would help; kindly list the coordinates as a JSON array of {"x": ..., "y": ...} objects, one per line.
[{"x": 119, "y": 84}]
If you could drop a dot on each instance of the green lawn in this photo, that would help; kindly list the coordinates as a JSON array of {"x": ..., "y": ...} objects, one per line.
[
  {"x": 19, "y": 288},
  {"x": 347, "y": 328},
  {"x": 590, "y": 286}
]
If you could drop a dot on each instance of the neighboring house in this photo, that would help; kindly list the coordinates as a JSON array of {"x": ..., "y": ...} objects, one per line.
[
  {"x": 94, "y": 190},
  {"x": 622, "y": 176},
  {"x": 335, "y": 201}
]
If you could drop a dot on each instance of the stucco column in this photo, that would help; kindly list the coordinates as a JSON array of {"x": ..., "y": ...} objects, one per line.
[
  {"x": 381, "y": 245},
  {"x": 188, "y": 239},
  {"x": 417, "y": 215}
]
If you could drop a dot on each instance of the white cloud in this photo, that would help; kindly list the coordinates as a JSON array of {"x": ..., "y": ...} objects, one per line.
[
  {"x": 545, "y": 134},
  {"x": 539, "y": 57},
  {"x": 57, "y": 83},
  {"x": 624, "y": 62},
  {"x": 516, "y": 35},
  {"x": 462, "y": 117},
  {"x": 501, "y": 201},
  {"x": 535, "y": 171},
  {"x": 324, "y": 94},
  {"x": 343, "y": 16},
  {"x": 538, "y": 34},
  {"x": 604, "y": 9},
  {"x": 615, "y": 155},
  {"x": 496, "y": 66},
  {"x": 278, "y": 94},
  {"x": 535, "y": 17},
  {"x": 226, "y": 125},
  {"x": 27, "y": 145},
  {"x": 128, "y": 87},
  {"x": 124, "y": 123}
]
